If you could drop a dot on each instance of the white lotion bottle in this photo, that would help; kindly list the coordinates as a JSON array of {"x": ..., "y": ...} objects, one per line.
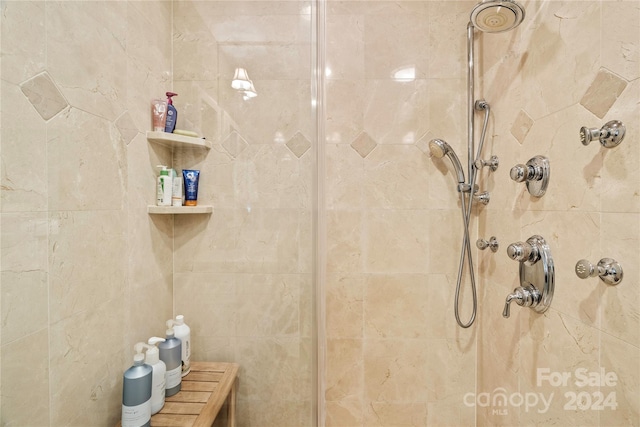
[
  {"x": 183, "y": 332},
  {"x": 159, "y": 382}
]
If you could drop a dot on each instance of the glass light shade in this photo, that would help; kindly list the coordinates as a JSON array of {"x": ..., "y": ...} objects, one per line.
[{"x": 241, "y": 80}]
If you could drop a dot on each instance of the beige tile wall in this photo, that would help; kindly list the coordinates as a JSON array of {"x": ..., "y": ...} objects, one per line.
[{"x": 86, "y": 272}]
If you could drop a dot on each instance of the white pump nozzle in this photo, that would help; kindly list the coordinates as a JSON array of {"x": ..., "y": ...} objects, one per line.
[
  {"x": 170, "y": 331},
  {"x": 138, "y": 358},
  {"x": 153, "y": 355}
]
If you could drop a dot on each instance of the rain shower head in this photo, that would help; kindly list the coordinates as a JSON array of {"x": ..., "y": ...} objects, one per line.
[
  {"x": 439, "y": 149},
  {"x": 496, "y": 16}
]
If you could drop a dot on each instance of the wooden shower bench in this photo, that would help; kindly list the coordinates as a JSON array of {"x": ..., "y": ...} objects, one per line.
[{"x": 202, "y": 394}]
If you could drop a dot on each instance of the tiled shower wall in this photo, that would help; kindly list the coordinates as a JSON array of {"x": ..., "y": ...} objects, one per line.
[
  {"x": 86, "y": 272},
  {"x": 395, "y": 355}
]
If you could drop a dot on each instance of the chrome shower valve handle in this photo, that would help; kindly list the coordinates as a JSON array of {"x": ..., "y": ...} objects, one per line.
[
  {"x": 492, "y": 244},
  {"x": 537, "y": 275},
  {"x": 535, "y": 173},
  {"x": 610, "y": 135},
  {"x": 608, "y": 269},
  {"x": 492, "y": 163}
]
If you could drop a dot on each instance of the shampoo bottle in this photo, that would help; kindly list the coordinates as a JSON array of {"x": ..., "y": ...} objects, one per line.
[
  {"x": 183, "y": 332},
  {"x": 171, "y": 355},
  {"x": 159, "y": 372},
  {"x": 164, "y": 187},
  {"x": 136, "y": 392},
  {"x": 172, "y": 113}
]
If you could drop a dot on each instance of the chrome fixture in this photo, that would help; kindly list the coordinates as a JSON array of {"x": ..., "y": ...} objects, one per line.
[
  {"x": 537, "y": 275},
  {"x": 610, "y": 135},
  {"x": 490, "y": 16},
  {"x": 535, "y": 173},
  {"x": 492, "y": 244},
  {"x": 439, "y": 149},
  {"x": 483, "y": 197},
  {"x": 608, "y": 269},
  {"x": 492, "y": 163},
  {"x": 496, "y": 16}
]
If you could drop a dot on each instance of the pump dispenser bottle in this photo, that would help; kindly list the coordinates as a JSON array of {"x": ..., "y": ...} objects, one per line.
[
  {"x": 183, "y": 332},
  {"x": 159, "y": 372},
  {"x": 136, "y": 392},
  {"x": 171, "y": 355},
  {"x": 172, "y": 114}
]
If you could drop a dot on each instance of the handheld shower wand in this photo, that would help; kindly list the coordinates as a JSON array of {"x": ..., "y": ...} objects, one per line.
[{"x": 439, "y": 149}]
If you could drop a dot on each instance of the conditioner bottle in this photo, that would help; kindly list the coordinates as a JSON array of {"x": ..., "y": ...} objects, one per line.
[
  {"x": 136, "y": 392},
  {"x": 183, "y": 332},
  {"x": 171, "y": 355},
  {"x": 159, "y": 373}
]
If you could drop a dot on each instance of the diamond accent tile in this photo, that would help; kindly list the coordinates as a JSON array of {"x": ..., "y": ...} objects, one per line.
[
  {"x": 298, "y": 144},
  {"x": 423, "y": 143},
  {"x": 603, "y": 92},
  {"x": 127, "y": 127},
  {"x": 363, "y": 144},
  {"x": 43, "y": 94},
  {"x": 521, "y": 126},
  {"x": 234, "y": 144}
]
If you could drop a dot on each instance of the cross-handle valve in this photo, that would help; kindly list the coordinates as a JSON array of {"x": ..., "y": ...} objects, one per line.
[
  {"x": 492, "y": 244},
  {"x": 492, "y": 163},
  {"x": 608, "y": 269}
]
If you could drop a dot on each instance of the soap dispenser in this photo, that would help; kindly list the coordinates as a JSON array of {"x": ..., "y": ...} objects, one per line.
[
  {"x": 172, "y": 114},
  {"x": 136, "y": 392},
  {"x": 171, "y": 355},
  {"x": 159, "y": 372},
  {"x": 183, "y": 332}
]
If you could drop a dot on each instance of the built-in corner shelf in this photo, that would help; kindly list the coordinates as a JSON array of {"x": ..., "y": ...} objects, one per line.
[
  {"x": 173, "y": 140},
  {"x": 170, "y": 210}
]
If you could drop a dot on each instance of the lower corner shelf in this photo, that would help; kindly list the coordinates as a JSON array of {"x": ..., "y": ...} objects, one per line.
[{"x": 170, "y": 210}]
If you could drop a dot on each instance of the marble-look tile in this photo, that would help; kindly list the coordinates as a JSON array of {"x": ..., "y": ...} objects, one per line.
[
  {"x": 363, "y": 144},
  {"x": 23, "y": 33},
  {"x": 345, "y": 239},
  {"x": 344, "y": 174},
  {"x": 445, "y": 226},
  {"x": 89, "y": 335},
  {"x": 88, "y": 60},
  {"x": 388, "y": 414},
  {"x": 395, "y": 112},
  {"x": 622, "y": 360},
  {"x": 396, "y": 176},
  {"x": 345, "y": 47},
  {"x": 344, "y": 413},
  {"x": 252, "y": 241},
  {"x": 234, "y": 144},
  {"x": 395, "y": 371},
  {"x": 603, "y": 92},
  {"x": 345, "y": 370},
  {"x": 555, "y": 343},
  {"x": 87, "y": 261},
  {"x": 619, "y": 49},
  {"x": 620, "y": 304},
  {"x": 195, "y": 49},
  {"x": 298, "y": 144},
  {"x": 446, "y": 42},
  {"x": 521, "y": 126},
  {"x": 24, "y": 275},
  {"x": 26, "y": 380},
  {"x": 43, "y": 94},
  {"x": 345, "y": 112},
  {"x": 395, "y": 306},
  {"x": 395, "y": 241},
  {"x": 344, "y": 306},
  {"x": 86, "y": 163},
  {"x": 620, "y": 186},
  {"x": 24, "y": 153},
  {"x": 126, "y": 127}
]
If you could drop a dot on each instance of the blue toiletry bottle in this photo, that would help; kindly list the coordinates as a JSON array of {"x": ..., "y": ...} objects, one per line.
[{"x": 172, "y": 113}]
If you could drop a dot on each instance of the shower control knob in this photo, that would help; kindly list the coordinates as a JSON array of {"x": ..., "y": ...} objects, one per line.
[
  {"x": 492, "y": 163},
  {"x": 522, "y": 251},
  {"x": 608, "y": 269},
  {"x": 535, "y": 173},
  {"x": 492, "y": 244},
  {"x": 521, "y": 173}
]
